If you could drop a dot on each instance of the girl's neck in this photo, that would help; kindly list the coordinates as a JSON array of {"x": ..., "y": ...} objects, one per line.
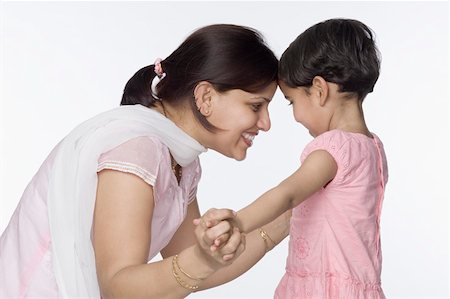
[{"x": 349, "y": 116}]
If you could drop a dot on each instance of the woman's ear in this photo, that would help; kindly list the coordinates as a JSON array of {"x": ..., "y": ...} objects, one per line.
[
  {"x": 320, "y": 87},
  {"x": 203, "y": 97}
]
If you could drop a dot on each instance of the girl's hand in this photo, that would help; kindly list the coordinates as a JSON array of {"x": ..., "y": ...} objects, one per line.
[{"x": 214, "y": 225}]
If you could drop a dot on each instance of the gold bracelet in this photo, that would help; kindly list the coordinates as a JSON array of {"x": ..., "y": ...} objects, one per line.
[
  {"x": 266, "y": 239},
  {"x": 179, "y": 280},
  {"x": 184, "y": 272}
]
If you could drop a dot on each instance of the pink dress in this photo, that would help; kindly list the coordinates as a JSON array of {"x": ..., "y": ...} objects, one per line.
[
  {"x": 27, "y": 268},
  {"x": 334, "y": 246}
]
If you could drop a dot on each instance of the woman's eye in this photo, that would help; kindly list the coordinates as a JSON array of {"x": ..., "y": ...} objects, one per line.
[{"x": 256, "y": 107}]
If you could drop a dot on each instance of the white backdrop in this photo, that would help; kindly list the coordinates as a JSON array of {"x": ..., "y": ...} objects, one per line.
[{"x": 62, "y": 63}]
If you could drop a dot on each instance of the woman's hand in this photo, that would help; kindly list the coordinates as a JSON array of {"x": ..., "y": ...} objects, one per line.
[{"x": 215, "y": 228}]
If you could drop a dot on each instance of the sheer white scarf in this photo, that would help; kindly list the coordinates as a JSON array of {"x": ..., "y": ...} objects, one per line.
[{"x": 73, "y": 185}]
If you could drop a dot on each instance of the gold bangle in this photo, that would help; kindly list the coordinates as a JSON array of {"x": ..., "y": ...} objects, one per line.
[
  {"x": 184, "y": 272},
  {"x": 179, "y": 280},
  {"x": 266, "y": 239}
]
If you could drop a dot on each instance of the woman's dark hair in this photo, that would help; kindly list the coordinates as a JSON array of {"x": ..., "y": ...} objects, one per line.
[
  {"x": 227, "y": 56},
  {"x": 342, "y": 51}
]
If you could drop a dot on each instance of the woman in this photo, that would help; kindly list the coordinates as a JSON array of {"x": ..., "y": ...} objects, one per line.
[{"x": 121, "y": 187}]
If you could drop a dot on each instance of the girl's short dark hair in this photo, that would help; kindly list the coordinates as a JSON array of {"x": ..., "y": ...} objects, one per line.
[
  {"x": 342, "y": 51},
  {"x": 227, "y": 56}
]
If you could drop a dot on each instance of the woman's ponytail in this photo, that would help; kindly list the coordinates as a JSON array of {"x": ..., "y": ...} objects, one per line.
[{"x": 138, "y": 89}]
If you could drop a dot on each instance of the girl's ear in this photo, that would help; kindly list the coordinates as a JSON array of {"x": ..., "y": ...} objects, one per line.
[
  {"x": 203, "y": 97},
  {"x": 320, "y": 88}
]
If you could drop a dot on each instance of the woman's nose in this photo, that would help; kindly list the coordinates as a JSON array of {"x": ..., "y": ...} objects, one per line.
[{"x": 264, "y": 121}]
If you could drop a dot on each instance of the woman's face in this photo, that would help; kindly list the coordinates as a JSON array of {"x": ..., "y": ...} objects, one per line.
[{"x": 240, "y": 115}]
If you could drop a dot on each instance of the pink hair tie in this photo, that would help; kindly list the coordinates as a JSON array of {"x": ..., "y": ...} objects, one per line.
[
  {"x": 158, "y": 68},
  {"x": 159, "y": 76}
]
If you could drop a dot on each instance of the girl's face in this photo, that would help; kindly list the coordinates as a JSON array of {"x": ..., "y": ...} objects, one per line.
[
  {"x": 240, "y": 115},
  {"x": 305, "y": 108}
]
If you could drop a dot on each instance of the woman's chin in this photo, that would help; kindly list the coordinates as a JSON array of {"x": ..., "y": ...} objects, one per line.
[
  {"x": 237, "y": 155},
  {"x": 240, "y": 156}
]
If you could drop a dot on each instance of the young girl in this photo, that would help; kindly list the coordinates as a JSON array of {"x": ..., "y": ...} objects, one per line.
[
  {"x": 336, "y": 194},
  {"x": 121, "y": 187}
]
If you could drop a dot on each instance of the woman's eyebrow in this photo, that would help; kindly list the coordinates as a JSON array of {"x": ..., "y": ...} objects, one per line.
[{"x": 261, "y": 97}]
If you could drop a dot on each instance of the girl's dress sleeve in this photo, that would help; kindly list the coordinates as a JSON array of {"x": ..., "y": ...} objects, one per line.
[
  {"x": 337, "y": 145},
  {"x": 140, "y": 156}
]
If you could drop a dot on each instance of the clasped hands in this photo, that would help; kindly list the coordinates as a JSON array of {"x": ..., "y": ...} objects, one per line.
[{"x": 219, "y": 237}]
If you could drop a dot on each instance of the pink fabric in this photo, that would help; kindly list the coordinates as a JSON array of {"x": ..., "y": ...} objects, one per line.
[
  {"x": 334, "y": 246},
  {"x": 25, "y": 263},
  {"x": 171, "y": 199},
  {"x": 26, "y": 269}
]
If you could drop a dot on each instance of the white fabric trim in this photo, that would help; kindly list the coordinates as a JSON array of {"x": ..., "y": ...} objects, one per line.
[
  {"x": 129, "y": 168},
  {"x": 155, "y": 82},
  {"x": 73, "y": 185}
]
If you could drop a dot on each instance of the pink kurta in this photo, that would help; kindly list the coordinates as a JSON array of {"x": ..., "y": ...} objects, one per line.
[
  {"x": 27, "y": 268},
  {"x": 334, "y": 246}
]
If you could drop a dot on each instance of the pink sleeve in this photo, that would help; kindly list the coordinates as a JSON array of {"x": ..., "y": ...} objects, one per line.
[
  {"x": 337, "y": 145},
  {"x": 140, "y": 156}
]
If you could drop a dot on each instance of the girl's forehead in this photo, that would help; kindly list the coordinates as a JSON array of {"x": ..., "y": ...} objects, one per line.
[{"x": 285, "y": 88}]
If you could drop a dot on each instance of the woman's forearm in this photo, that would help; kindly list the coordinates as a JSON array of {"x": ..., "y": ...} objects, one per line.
[
  {"x": 256, "y": 248},
  {"x": 157, "y": 279}
]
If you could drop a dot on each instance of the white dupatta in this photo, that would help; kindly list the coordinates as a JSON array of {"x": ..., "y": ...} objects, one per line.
[{"x": 73, "y": 186}]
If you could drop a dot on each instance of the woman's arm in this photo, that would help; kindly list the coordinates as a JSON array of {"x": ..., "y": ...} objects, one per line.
[
  {"x": 121, "y": 240},
  {"x": 317, "y": 170}
]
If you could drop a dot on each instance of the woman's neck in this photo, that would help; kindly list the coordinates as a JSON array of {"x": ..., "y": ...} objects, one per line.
[{"x": 184, "y": 119}]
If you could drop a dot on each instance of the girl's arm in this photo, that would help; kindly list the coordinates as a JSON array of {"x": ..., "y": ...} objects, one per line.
[
  {"x": 255, "y": 249},
  {"x": 316, "y": 171},
  {"x": 122, "y": 236}
]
